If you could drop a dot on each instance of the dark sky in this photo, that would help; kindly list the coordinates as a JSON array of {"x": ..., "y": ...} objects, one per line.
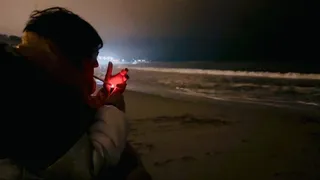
[{"x": 187, "y": 29}]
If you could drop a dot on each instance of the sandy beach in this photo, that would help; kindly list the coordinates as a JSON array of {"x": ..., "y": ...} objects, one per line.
[{"x": 188, "y": 140}]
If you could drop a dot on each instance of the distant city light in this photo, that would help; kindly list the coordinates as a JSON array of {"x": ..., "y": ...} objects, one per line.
[{"x": 104, "y": 60}]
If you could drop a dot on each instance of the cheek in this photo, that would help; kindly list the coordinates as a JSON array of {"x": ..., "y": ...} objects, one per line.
[
  {"x": 90, "y": 79},
  {"x": 88, "y": 69},
  {"x": 94, "y": 86},
  {"x": 88, "y": 72}
]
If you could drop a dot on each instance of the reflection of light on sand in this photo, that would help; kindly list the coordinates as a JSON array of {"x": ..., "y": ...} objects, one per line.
[
  {"x": 308, "y": 103},
  {"x": 232, "y": 97},
  {"x": 190, "y": 92},
  {"x": 268, "y": 102}
]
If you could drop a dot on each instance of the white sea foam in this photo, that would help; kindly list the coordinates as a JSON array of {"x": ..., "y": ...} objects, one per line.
[{"x": 231, "y": 73}]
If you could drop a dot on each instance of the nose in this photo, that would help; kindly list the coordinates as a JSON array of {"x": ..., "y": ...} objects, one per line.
[{"x": 95, "y": 63}]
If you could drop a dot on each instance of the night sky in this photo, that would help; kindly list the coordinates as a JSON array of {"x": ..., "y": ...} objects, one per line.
[{"x": 228, "y": 30}]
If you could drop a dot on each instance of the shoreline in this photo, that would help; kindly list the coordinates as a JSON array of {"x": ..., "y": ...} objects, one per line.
[{"x": 210, "y": 101}]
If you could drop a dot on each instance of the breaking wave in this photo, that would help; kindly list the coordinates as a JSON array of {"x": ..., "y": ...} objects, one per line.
[
  {"x": 289, "y": 75},
  {"x": 268, "y": 88}
]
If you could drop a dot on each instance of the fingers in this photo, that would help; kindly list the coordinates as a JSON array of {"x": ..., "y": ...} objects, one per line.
[
  {"x": 115, "y": 83},
  {"x": 109, "y": 71},
  {"x": 126, "y": 77},
  {"x": 124, "y": 73},
  {"x": 121, "y": 86},
  {"x": 118, "y": 90}
]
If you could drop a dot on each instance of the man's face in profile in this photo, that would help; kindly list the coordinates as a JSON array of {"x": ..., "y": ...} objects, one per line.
[{"x": 88, "y": 70}]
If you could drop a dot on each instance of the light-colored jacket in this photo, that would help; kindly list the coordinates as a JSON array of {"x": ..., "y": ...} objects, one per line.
[{"x": 100, "y": 147}]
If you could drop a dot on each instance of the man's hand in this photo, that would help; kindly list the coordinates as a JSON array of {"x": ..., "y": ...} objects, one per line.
[
  {"x": 113, "y": 87},
  {"x": 115, "y": 83},
  {"x": 116, "y": 100}
]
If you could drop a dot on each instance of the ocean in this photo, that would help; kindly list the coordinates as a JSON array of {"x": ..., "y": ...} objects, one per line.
[{"x": 269, "y": 84}]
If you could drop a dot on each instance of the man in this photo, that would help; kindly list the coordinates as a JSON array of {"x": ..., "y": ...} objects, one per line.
[{"x": 51, "y": 127}]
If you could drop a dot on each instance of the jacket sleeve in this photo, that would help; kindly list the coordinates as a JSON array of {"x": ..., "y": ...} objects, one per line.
[{"x": 108, "y": 136}]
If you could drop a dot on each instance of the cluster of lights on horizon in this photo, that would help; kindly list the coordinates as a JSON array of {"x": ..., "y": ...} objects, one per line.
[{"x": 103, "y": 60}]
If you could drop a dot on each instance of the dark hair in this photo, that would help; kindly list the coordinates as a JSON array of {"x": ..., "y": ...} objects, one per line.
[{"x": 75, "y": 37}]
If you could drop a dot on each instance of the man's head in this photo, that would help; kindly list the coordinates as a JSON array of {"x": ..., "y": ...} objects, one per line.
[{"x": 73, "y": 37}]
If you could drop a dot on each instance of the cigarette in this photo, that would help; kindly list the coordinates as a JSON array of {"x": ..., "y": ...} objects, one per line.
[{"x": 98, "y": 78}]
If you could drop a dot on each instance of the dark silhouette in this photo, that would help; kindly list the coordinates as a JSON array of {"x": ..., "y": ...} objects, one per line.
[{"x": 10, "y": 39}]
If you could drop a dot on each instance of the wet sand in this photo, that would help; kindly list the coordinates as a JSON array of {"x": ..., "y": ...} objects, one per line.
[{"x": 189, "y": 140}]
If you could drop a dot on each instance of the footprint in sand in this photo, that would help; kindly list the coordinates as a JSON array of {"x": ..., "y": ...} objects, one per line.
[
  {"x": 167, "y": 161},
  {"x": 244, "y": 140},
  {"x": 162, "y": 163},
  {"x": 188, "y": 158},
  {"x": 308, "y": 120},
  {"x": 143, "y": 148},
  {"x": 213, "y": 153},
  {"x": 136, "y": 134},
  {"x": 290, "y": 175},
  {"x": 190, "y": 119}
]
